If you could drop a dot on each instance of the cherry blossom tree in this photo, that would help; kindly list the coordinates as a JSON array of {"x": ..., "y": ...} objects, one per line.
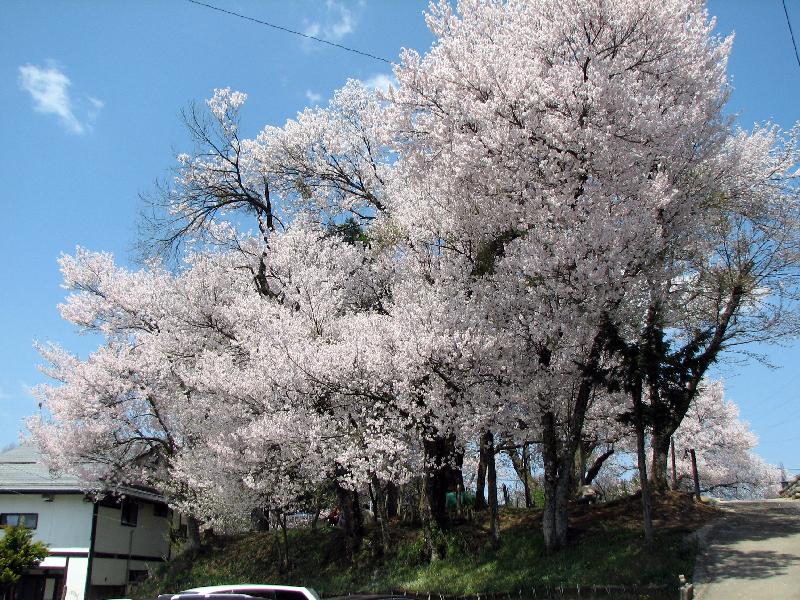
[
  {"x": 479, "y": 254},
  {"x": 723, "y": 444},
  {"x": 737, "y": 284},
  {"x": 551, "y": 145}
]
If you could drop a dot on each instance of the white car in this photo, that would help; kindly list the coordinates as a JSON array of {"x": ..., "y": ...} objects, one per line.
[{"x": 253, "y": 590}]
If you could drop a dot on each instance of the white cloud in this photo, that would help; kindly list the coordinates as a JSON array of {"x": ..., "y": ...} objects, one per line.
[
  {"x": 380, "y": 82},
  {"x": 345, "y": 24},
  {"x": 312, "y": 29},
  {"x": 26, "y": 388},
  {"x": 313, "y": 97},
  {"x": 49, "y": 89},
  {"x": 338, "y": 22}
]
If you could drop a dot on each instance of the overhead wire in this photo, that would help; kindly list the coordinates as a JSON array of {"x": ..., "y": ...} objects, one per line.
[
  {"x": 292, "y": 31},
  {"x": 791, "y": 32}
]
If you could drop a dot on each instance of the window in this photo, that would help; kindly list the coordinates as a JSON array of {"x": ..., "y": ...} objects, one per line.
[
  {"x": 160, "y": 510},
  {"x": 27, "y": 520},
  {"x": 256, "y": 593},
  {"x": 136, "y": 575},
  {"x": 130, "y": 513},
  {"x": 289, "y": 595}
]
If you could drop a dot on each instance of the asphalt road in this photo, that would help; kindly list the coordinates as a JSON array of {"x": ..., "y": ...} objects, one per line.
[{"x": 751, "y": 552}]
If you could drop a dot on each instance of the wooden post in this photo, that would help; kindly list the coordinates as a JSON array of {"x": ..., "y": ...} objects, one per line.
[{"x": 674, "y": 472}]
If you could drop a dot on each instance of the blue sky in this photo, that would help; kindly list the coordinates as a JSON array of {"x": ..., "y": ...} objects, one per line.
[{"x": 89, "y": 105}]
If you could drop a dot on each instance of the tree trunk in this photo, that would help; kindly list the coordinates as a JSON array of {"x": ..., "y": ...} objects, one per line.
[
  {"x": 350, "y": 519},
  {"x": 382, "y": 512},
  {"x": 559, "y": 455},
  {"x": 259, "y": 519},
  {"x": 374, "y": 502},
  {"x": 491, "y": 475},
  {"x": 410, "y": 501},
  {"x": 480, "y": 497},
  {"x": 285, "y": 538},
  {"x": 647, "y": 516},
  {"x": 550, "y": 458},
  {"x": 559, "y": 469},
  {"x": 192, "y": 533},
  {"x": 392, "y": 498},
  {"x": 526, "y": 465},
  {"x": 596, "y": 465},
  {"x": 438, "y": 476},
  {"x": 522, "y": 467},
  {"x": 659, "y": 468}
]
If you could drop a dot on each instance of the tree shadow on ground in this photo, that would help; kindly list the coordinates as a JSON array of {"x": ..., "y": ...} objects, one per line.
[
  {"x": 729, "y": 563},
  {"x": 752, "y": 522}
]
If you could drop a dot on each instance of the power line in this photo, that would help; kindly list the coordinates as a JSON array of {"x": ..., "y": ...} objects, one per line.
[
  {"x": 292, "y": 31},
  {"x": 791, "y": 32}
]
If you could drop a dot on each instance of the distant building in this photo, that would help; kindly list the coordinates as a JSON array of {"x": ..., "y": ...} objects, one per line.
[{"x": 96, "y": 548}]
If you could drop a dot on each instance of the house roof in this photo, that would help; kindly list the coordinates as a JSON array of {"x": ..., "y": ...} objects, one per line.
[{"x": 22, "y": 469}]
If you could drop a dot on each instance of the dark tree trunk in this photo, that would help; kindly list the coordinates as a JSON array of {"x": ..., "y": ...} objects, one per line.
[
  {"x": 374, "y": 502},
  {"x": 526, "y": 465},
  {"x": 550, "y": 459},
  {"x": 410, "y": 502},
  {"x": 491, "y": 475},
  {"x": 480, "y": 497},
  {"x": 192, "y": 533},
  {"x": 641, "y": 452},
  {"x": 439, "y": 476},
  {"x": 559, "y": 453},
  {"x": 592, "y": 472},
  {"x": 392, "y": 499},
  {"x": 681, "y": 369},
  {"x": 382, "y": 514},
  {"x": 259, "y": 519},
  {"x": 659, "y": 468},
  {"x": 350, "y": 518},
  {"x": 521, "y": 461},
  {"x": 285, "y": 564}
]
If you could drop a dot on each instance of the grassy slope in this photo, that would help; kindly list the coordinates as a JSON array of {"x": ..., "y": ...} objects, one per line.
[{"x": 607, "y": 548}]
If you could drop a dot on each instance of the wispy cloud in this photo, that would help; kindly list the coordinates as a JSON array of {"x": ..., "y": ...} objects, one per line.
[
  {"x": 49, "y": 89},
  {"x": 26, "y": 388},
  {"x": 313, "y": 97},
  {"x": 380, "y": 82},
  {"x": 337, "y": 22}
]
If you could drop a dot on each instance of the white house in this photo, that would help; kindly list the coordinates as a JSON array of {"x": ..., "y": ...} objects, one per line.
[{"x": 96, "y": 547}]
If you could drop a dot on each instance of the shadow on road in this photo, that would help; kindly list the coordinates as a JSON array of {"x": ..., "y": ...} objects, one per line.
[
  {"x": 756, "y": 522},
  {"x": 724, "y": 562}
]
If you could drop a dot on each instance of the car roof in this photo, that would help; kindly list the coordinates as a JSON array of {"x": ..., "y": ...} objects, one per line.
[
  {"x": 210, "y": 589},
  {"x": 215, "y": 589}
]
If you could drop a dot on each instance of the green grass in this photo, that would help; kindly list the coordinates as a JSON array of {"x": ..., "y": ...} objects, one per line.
[{"x": 607, "y": 549}]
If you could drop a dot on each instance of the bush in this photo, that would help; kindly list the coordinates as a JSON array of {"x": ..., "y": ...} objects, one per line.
[{"x": 18, "y": 553}]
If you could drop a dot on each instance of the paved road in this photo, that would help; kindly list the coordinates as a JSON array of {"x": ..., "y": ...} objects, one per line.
[{"x": 752, "y": 552}]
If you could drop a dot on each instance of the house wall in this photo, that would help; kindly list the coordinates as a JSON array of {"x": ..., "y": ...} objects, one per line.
[
  {"x": 75, "y": 577},
  {"x": 64, "y": 524},
  {"x": 146, "y": 543}
]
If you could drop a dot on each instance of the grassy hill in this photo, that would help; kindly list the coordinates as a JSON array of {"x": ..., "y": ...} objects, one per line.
[{"x": 607, "y": 549}]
